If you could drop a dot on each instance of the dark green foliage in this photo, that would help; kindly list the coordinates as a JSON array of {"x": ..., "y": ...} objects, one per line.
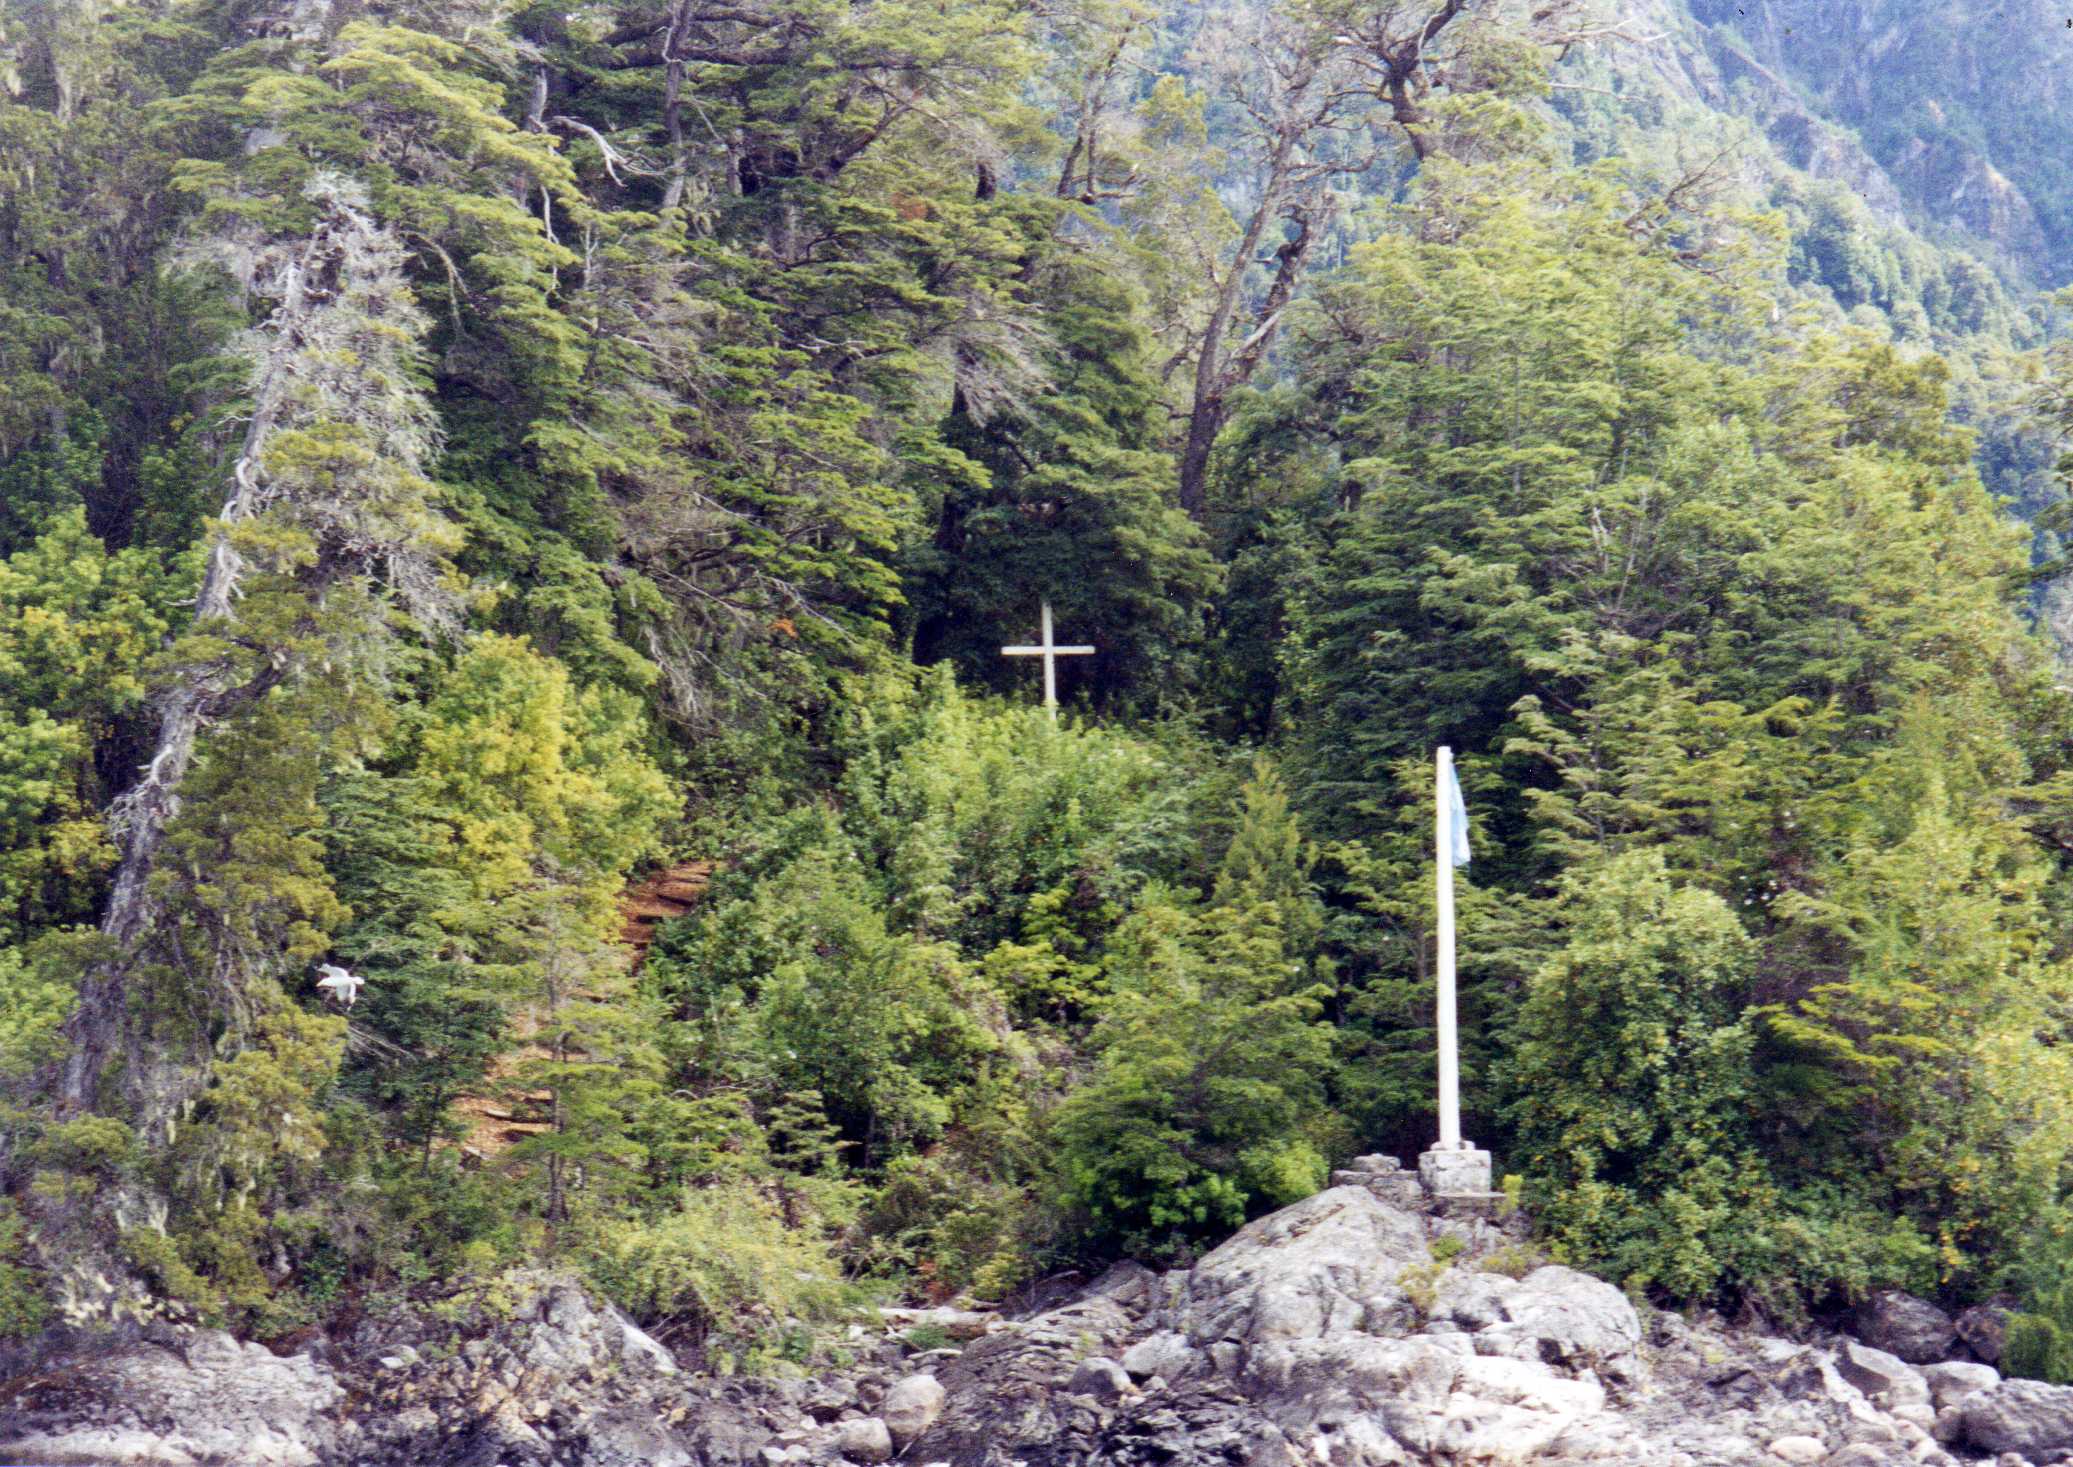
[
  {"x": 1632, "y": 1075},
  {"x": 2036, "y": 1349},
  {"x": 453, "y": 460},
  {"x": 1205, "y": 1106},
  {"x": 1068, "y": 498}
]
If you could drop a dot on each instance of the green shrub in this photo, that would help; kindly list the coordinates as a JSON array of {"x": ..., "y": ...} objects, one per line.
[
  {"x": 2036, "y": 1349},
  {"x": 1513, "y": 1260},
  {"x": 23, "y": 1307},
  {"x": 722, "y": 1271}
]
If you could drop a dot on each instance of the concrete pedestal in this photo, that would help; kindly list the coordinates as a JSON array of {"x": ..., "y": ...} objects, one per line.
[{"x": 1452, "y": 1171}]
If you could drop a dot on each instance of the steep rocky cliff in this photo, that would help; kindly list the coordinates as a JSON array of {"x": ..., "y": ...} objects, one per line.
[{"x": 1955, "y": 118}]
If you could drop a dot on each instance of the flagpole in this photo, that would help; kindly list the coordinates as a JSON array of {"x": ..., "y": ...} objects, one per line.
[
  {"x": 1050, "y": 669},
  {"x": 1443, "y": 860}
]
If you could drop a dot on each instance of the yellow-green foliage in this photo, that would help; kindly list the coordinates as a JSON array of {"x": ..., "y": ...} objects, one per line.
[
  {"x": 721, "y": 1267},
  {"x": 77, "y": 627},
  {"x": 23, "y": 1308},
  {"x": 534, "y": 772}
]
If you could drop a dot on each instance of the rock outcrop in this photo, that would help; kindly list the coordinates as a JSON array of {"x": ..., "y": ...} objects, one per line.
[
  {"x": 1900, "y": 1324},
  {"x": 179, "y": 1398},
  {"x": 1350, "y": 1330}
]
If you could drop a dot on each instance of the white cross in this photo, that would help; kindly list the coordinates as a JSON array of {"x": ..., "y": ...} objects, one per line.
[{"x": 1050, "y": 651}]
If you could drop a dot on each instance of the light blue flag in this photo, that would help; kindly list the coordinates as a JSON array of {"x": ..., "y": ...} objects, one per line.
[{"x": 1457, "y": 822}]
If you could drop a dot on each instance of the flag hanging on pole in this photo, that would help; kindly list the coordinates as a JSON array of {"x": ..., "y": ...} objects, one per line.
[
  {"x": 1457, "y": 819},
  {"x": 1449, "y": 849}
]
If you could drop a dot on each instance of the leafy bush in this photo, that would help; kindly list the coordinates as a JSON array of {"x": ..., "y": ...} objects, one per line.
[
  {"x": 1210, "y": 1071},
  {"x": 23, "y": 1307},
  {"x": 2036, "y": 1349},
  {"x": 721, "y": 1271}
]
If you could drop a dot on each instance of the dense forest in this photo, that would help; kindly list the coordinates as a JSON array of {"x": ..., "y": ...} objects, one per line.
[{"x": 458, "y": 460}]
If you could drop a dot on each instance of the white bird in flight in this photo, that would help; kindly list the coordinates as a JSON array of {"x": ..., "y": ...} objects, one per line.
[{"x": 339, "y": 985}]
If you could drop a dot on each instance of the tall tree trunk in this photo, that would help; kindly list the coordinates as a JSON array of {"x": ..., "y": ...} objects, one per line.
[
  {"x": 1213, "y": 383},
  {"x": 100, "y": 1025},
  {"x": 305, "y": 366}
]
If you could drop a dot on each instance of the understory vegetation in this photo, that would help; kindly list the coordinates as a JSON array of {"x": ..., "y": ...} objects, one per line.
[{"x": 457, "y": 460}]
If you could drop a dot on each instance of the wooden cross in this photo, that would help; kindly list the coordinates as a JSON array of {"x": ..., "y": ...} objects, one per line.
[{"x": 1050, "y": 651}]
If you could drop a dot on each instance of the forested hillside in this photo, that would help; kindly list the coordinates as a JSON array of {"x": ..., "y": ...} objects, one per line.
[{"x": 459, "y": 460}]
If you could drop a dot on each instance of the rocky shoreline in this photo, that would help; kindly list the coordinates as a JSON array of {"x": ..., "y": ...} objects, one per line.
[{"x": 1354, "y": 1329}]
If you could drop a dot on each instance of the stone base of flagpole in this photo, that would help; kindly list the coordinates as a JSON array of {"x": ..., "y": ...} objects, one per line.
[{"x": 1455, "y": 1171}]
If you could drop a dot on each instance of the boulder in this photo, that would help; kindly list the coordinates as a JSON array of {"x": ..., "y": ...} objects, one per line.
[
  {"x": 1312, "y": 1269},
  {"x": 1101, "y": 1378},
  {"x": 1811, "y": 1375},
  {"x": 1883, "y": 1377},
  {"x": 866, "y": 1439},
  {"x": 1900, "y": 1324},
  {"x": 1984, "y": 1329},
  {"x": 911, "y": 1407},
  {"x": 1861, "y": 1454},
  {"x": 1303, "y": 1383},
  {"x": 1530, "y": 1384},
  {"x": 1804, "y": 1450},
  {"x": 1166, "y": 1353},
  {"x": 1562, "y": 1317},
  {"x": 1954, "y": 1380},
  {"x": 2024, "y": 1416}
]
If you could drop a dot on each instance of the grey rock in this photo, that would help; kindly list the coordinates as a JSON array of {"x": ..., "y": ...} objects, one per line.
[
  {"x": 1102, "y": 1379},
  {"x": 1984, "y": 1329},
  {"x": 1302, "y": 1272},
  {"x": 1900, "y": 1324},
  {"x": 1882, "y": 1376},
  {"x": 1954, "y": 1380},
  {"x": 2024, "y": 1416},
  {"x": 1860, "y": 1454},
  {"x": 1566, "y": 1318},
  {"x": 1166, "y": 1353},
  {"x": 866, "y": 1439},
  {"x": 1811, "y": 1375},
  {"x": 1307, "y": 1382},
  {"x": 911, "y": 1407},
  {"x": 211, "y": 1400},
  {"x": 630, "y": 1438}
]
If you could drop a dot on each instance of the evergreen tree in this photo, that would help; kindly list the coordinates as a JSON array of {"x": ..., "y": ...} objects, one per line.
[
  {"x": 1205, "y": 1106},
  {"x": 1632, "y": 1081}
]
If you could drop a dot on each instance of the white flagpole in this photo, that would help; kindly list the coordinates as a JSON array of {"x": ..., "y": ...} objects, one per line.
[
  {"x": 1050, "y": 668},
  {"x": 1443, "y": 853}
]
